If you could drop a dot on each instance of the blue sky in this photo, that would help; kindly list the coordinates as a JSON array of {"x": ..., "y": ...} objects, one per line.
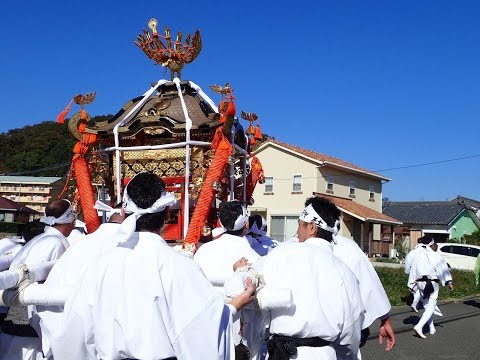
[{"x": 381, "y": 84}]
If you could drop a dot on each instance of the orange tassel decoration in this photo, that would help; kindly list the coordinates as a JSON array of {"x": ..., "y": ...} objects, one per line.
[
  {"x": 250, "y": 130},
  {"x": 63, "y": 114},
  {"x": 258, "y": 134},
  {"x": 83, "y": 114},
  {"x": 251, "y": 141}
]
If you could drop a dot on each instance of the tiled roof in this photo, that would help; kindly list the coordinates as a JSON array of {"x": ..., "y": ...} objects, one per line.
[
  {"x": 29, "y": 179},
  {"x": 360, "y": 211},
  {"x": 424, "y": 212},
  {"x": 469, "y": 203},
  {"x": 323, "y": 158},
  {"x": 7, "y": 204}
]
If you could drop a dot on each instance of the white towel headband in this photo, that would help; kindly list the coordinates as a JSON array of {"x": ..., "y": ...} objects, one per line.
[
  {"x": 66, "y": 218},
  {"x": 310, "y": 215},
  {"x": 239, "y": 224}
]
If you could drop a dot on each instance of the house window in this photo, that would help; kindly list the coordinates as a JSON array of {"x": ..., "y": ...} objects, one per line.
[
  {"x": 283, "y": 227},
  {"x": 269, "y": 184},
  {"x": 297, "y": 183},
  {"x": 2, "y": 217},
  {"x": 351, "y": 192},
  {"x": 329, "y": 184},
  {"x": 371, "y": 196}
]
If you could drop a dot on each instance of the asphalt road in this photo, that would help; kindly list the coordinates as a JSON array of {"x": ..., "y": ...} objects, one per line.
[{"x": 457, "y": 337}]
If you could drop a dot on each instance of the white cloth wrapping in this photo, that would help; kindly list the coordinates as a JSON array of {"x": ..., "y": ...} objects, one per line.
[
  {"x": 108, "y": 210},
  {"x": 35, "y": 294},
  {"x": 145, "y": 301},
  {"x": 310, "y": 215},
  {"x": 128, "y": 225},
  {"x": 11, "y": 278},
  {"x": 327, "y": 302},
  {"x": 267, "y": 298},
  {"x": 66, "y": 218},
  {"x": 216, "y": 258},
  {"x": 68, "y": 272}
]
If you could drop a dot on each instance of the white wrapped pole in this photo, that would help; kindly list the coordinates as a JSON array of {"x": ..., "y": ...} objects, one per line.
[
  {"x": 35, "y": 294},
  {"x": 40, "y": 272},
  {"x": 12, "y": 278},
  {"x": 274, "y": 298}
]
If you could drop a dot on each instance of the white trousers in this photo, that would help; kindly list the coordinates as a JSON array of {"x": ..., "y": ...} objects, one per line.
[{"x": 429, "y": 304}]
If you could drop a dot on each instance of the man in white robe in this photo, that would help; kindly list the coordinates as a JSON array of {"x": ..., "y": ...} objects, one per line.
[
  {"x": 71, "y": 267},
  {"x": 372, "y": 293},
  {"x": 414, "y": 288},
  {"x": 216, "y": 258},
  {"x": 142, "y": 299},
  {"x": 326, "y": 319},
  {"x": 428, "y": 270},
  {"x": 20, "y": 330}
]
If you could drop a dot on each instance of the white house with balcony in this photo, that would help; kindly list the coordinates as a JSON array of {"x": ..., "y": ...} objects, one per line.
[{"x": 293, "y": 174}]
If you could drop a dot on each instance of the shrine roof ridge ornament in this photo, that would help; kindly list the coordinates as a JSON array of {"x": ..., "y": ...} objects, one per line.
[{"x": 169, "y": 53}]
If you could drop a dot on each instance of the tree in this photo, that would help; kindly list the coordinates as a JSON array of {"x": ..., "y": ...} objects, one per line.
[{"x": 473, "y": 238}]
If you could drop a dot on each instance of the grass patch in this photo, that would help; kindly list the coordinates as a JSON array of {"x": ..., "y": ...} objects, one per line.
[{"x": 395, "y": 284}]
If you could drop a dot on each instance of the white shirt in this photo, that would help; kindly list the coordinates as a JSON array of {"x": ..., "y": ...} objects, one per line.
[
  {"x": 143, "y": 300},
  {"x": 216, "y": 258},
  {"x": 69, "y": 270},
  {"x": 326, "y": 297},
  {"x": 373, "y": 294}
]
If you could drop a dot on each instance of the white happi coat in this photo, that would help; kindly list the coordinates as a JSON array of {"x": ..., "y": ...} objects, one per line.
[
  {"x": 216, "y": 258},
  {"x": 326, "y": 297},
  {"x": 69, "y": 270},
  {"x": 9, "y": 247},
  {"x": 373, "y": 294},
  {"x": 143, "y": 300},
  {"x": 48, "y": 246}
]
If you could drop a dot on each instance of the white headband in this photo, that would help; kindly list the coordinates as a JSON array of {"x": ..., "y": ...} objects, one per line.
[
  {"x": 310, "y": 215},
  {"x": 431, "y": 243},
  {"x": 130, "y": 223},
  {"x": 109, "y": 211},
  {"x": 239, "y": 224},
  {"x": 66, "y": 218}
]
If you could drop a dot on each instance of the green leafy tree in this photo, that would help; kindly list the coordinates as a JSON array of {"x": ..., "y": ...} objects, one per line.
[{"x": 473, "y": 238}]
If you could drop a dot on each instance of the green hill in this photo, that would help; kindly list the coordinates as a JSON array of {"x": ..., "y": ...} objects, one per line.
[{"x": 47, "y": 146}]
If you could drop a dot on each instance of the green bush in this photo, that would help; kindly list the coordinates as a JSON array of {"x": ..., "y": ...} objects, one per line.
[{"x": 395, "y": 284}]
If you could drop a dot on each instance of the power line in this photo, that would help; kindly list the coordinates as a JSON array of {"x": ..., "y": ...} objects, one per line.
[
  {"x": 39, "y": 170},
  {"x": 429, "y": 163}
]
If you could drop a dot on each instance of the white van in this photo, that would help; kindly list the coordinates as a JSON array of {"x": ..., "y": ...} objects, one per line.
[{"x": 459, "y": 256}]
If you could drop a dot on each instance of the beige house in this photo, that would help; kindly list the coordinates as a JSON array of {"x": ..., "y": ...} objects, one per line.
[
  {"x": 32, "y": 191},
  {"x": 292, "y": 174}
]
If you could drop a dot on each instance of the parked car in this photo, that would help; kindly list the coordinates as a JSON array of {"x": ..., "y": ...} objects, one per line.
[{"x": 459, "y": 256}]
